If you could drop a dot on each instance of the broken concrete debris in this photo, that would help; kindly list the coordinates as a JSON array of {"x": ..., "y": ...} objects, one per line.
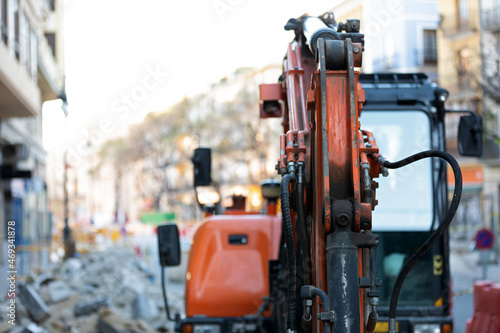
[
  {"x": 101, "y": 292},
  {"x": 34, "y": 328},
  {"x": 38, "y": 310},
  {"x": 144, "y": 307},
  {"x": 59, "y": 291},
  {"x": 88, "y": 307},
  {"x": 110, "y": 322}
]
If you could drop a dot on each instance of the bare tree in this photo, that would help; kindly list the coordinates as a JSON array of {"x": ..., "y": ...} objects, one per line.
[{"x": 230, "y": 126}]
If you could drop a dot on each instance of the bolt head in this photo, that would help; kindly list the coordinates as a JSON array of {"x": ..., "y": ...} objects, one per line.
[{"x": 343, "y": 219}]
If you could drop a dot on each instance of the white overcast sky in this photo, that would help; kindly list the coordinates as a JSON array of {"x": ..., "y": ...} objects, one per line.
[{"x": 112, "y": 46}]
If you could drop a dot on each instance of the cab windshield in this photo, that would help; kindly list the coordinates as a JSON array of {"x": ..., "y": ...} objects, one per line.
[
  {"x": 403, "y": 216},
  {"x": 405, "y": 197}
]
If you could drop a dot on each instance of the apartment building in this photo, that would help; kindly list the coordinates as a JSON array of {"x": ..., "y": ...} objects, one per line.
[
  {"x": 400, "y": 35},
  {"x": 490, "y": 84},
  {"x": 31, "y": 72},
  {"x": 460, "y": 72}
]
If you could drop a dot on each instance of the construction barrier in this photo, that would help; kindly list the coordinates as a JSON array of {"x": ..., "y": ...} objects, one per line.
[{"x": 486, "y": 316}]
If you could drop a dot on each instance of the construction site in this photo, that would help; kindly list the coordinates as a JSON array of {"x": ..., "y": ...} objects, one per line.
[{"x": 231, "y": 167}]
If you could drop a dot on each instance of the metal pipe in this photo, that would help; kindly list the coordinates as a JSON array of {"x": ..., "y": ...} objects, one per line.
[
  {"x": 325, "y": 306},
  {"x": 373, "y": 317},
  {"x": 343, "y": 277},
  {"x": 305, "y": 128},
  {"x": 327, "y": 316},
  {"x": 292, "y": 113},
  {"x": 314, "y": 29}
]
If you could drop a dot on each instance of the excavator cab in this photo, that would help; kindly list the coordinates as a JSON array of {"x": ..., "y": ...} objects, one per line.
[{"x": 406, "y": 113}]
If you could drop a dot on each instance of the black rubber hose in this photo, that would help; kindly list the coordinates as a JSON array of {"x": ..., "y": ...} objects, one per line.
[
  {"x": 290, "y": 251},
  {"x": 325, "y": 306},
  {"x": 457, "y": 193},
  {"x": 301, "y": 223}
]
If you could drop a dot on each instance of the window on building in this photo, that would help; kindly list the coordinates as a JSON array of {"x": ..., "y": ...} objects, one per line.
[
  {"x": 16, "y": 28},
  {"x": 430, "y": 48},
  {"x": 463, "y": 9},
  {"x": 25, "y": 42},
  {"x": 389, "y": 57},
  {"x": 4, "y": 23},
  {"x": 51, "y": 39},
  {"x": 34, "y": 54},
  {"x": 464, "y": 68},
  {"x": 52, "y": 5}
]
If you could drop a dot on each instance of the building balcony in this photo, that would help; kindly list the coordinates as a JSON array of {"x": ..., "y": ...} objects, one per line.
[
  {"x": 50, "y": 77},
  {"x": 456, "y": 27},
  {"x": 491, "y": 19},
  {"x": 19, "y": 92}
]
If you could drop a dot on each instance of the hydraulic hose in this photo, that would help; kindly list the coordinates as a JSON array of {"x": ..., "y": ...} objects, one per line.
[
  {"x": 308, "y": 292},
  {"x": 457, "y": 193},
  {"x": 301, "y": 223},
  {"x": 290, "y": 250}
]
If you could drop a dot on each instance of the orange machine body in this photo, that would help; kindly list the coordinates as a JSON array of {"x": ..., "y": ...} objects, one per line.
[{"x": 226, "y": 278}]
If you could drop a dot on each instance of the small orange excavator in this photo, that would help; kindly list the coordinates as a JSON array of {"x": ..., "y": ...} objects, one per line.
[{"x": 316, "y": 267}]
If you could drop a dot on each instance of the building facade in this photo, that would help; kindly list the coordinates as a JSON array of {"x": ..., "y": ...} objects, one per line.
[
  {"x": 490, "y": 84},
  {"x": 460, "y": 68},
  {"x": 31, "y": 72},
  {"x": 400, "y": 35}
]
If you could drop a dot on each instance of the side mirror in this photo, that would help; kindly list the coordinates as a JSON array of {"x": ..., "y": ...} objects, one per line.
[
  {"x": 168, "y": 245},
  {"x": 470, "y": 135},
  {"x": 271, "y": 189},
  {"x": 202, "y": 167}
]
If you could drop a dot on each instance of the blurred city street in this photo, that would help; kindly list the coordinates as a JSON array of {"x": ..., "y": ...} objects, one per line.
[{"x": 120, "y": 283}]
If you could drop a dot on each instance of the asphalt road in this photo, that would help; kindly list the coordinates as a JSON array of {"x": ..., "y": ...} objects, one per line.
[
  {"x": 462, "y": 311},
  {"x": 465, "y": 270}
]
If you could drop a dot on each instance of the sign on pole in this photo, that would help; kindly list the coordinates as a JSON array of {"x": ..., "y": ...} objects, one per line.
[{"x": 484, "y": 239}]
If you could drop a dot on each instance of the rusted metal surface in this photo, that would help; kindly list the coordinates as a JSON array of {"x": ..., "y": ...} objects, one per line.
[
  {"x": 271, "y": 100},
  {"x": 322, "y": 102}
]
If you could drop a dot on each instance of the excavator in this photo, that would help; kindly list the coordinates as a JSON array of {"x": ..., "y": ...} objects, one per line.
[{"x": 364, "y": 203}]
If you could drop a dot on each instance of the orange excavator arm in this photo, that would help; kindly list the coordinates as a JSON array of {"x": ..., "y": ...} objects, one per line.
[
  {"x": 329, "y": 163},
  {"x": 324, "y": 150}
]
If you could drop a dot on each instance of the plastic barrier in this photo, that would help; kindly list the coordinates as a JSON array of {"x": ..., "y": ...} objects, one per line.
[{"x": 486, "y": 316}]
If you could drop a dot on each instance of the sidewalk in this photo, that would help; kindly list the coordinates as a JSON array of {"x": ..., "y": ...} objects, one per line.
[{"x": 466, "y": 269}]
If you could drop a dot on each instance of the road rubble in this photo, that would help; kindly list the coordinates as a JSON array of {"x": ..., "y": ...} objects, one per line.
[{"x": 102, "y": 292}]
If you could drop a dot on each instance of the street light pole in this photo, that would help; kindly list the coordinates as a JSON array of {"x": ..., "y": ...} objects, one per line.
[
  {"x": 69, "y": 244},
  {"x": 66, "y": 230}
]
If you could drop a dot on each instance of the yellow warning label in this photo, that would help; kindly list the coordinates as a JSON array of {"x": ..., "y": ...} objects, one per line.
[
  {"x": 383, "y": 326},
  {"x": 438, "y": 264}
]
